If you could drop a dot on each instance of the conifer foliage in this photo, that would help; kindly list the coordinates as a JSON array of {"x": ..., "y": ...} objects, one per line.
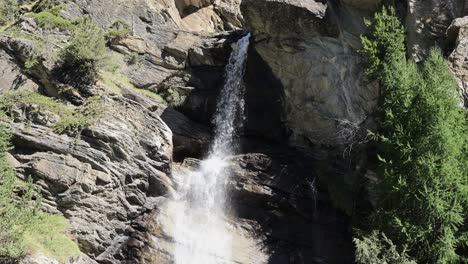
[
  {"x": 421, "y": 201},
  {"x": 85, "y": 54}
]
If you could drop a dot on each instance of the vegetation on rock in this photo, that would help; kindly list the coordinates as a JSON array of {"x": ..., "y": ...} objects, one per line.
[
  {"x": 421, "y": 200},
  {"x": 117, "y": 81},
  {"x": 134, "y": 58},
  {"x": 17, "y": 207},
  {"x": 377, "y": 248},
  {"x": 118, "y": 29},
  {"x": 49, "y": 235},
  {"x": 8, "y": 11},
  {"x": 72, "y": 120},
  {"x": 23, "y": 229},
  {"x": 86, "y": 53},
  {"x": 48, "y": 20}
]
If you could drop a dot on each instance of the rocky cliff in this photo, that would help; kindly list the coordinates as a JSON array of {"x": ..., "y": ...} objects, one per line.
[{"x": 307, "y": 100}]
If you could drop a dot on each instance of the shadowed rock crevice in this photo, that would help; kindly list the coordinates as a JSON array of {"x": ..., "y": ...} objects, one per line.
[{"x": 263, "y": 91}]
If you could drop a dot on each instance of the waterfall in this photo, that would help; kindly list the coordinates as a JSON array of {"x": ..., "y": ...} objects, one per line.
[{"x": 201, "y": 232}]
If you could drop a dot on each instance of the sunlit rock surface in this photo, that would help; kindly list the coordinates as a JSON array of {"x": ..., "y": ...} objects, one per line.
[{"x": 311, "y": 48}]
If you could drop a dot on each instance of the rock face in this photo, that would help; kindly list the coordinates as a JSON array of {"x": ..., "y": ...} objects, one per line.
[
  {"x": 110, "y": 178},
  {"x": 103, "y": 181},
  {"x": 274, "y": 194},
  {"x": 458, "y": 59},
  {"x": 311, "y": 49},
  {"x": 12, "y": 78},
  {"x": 229, "y": 11},
  {"x": 427, "y": 23}
]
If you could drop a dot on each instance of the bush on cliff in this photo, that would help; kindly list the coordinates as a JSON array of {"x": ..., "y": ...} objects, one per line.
[
  {"x": 72, "y": 120},
  {"x": 8, "y": 11},
  {"x": 48, "y": 20},
  {"x": 421, "y": 201},
  {"x": 118, "y": 29},
  {"x": 85, "y": 54}
]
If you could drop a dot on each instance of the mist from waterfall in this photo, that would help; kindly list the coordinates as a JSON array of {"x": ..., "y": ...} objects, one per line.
[{"x": 201, "y": 233}]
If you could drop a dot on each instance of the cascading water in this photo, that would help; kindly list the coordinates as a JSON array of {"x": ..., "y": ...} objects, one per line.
[{"x": 201, "y": 232}]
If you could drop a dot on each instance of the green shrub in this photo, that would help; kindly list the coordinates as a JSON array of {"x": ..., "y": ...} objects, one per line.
[
  {"x": 49, "y": 20},
  {"x": 421, "y": 201},
  {"x": 8, "y": 11},
  {"x": 385, "y": 41},
  {"x": 83, "y": 117},
  {"x": 72, "y": 120},
  {"x": 378, "y": 249},
  {"x": 84, "y": 56},
  {"x": 31, "y": 60},
  {"x": 42, "y": 5},
  {"x": 118, "y": 29},
  {"x": 134, "y": 58},
  {"x": 49, "y": 236}
]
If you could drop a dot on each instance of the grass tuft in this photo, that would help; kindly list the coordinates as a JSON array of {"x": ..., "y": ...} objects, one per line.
[
  {"x": 50, "y": 236},
  {"x": 116, "y": 80}
]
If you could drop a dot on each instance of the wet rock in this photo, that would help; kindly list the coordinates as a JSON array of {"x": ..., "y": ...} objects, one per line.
[
  {"x": 190, "y": 139},
  {"x": 277, "y": 215},
  {"x": 371, "y": 5},
  {"x": 316, "y": 62},
  {"x": 276, "y": 196},
  {"x": 41, "y": 259}
]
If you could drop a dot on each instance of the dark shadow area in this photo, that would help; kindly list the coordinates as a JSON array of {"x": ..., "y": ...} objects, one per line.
[
  {"x": 200, "y": 104},
  {"x": 190, "y": 139},
  {"x": 264, "y": 97},
  {"x": 294, "y": 217}
]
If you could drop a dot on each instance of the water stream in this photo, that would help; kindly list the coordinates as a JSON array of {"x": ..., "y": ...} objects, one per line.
[{"x": 201, "y": 233}]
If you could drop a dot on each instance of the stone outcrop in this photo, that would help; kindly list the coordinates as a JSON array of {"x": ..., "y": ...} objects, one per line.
[
  {"x": 229, "y": 11},
  {"x": 11, "y": 76},
  {"x": 458, "y": 59},
  {"x": 102, "y": 181},
  {"x": 427, "y": 23},
  {"x": 110, "y": 178},
  {"x": 312, "y": 52}
]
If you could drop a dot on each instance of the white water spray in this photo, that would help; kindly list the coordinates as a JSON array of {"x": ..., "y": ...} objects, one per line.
[{"x": 201, "y": 232}]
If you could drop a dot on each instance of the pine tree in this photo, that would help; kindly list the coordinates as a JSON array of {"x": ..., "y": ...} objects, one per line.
[
  {"x": 421, "y": 200},
  {"x": 84, "y": 55}
]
